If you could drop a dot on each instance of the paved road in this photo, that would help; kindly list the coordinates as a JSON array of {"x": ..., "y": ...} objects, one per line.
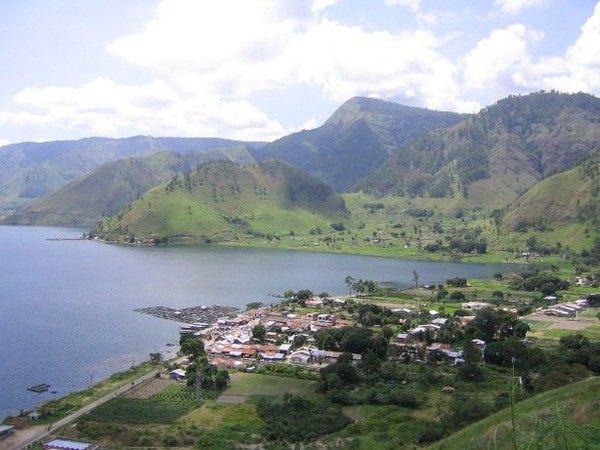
[{"x": 21, "y": 438}]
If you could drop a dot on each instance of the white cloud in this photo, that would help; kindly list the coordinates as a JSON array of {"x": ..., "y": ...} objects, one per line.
[
  {"x": 104, "y": 108},
  {"x": 582, "y": 59},
  {"x": 209, "y": 58},
  {"x": 492, "y": 65},
  {"x": 515, "y": 6},
  {"x": 266, "y": 46},
  {"x": 413, "y": 5}
]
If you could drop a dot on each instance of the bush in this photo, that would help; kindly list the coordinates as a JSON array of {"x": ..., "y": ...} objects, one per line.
[{"x": 299, "y": 419}]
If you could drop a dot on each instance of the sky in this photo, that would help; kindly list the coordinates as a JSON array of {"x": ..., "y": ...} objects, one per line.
[{"x": 257, "y": 70}]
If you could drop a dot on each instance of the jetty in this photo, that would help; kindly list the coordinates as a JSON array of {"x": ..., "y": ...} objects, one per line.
[{"x": 39, "y": 388}]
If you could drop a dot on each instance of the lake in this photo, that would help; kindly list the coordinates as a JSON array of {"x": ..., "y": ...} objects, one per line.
[{"x": 67, "y": 306}]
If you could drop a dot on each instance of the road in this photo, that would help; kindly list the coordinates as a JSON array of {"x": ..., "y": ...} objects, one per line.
[{"x": 23, "y": 438}]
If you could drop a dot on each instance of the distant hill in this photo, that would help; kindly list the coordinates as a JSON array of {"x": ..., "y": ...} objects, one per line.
[
  {"x": 30, "y": 170},
  {"x": 496, "y": 155},
  {"x": 111, "y": 186},
  {"x": 355, "y": 140},
  {"x": 221, "y": 200},
  {"x": 561, "y": 199}
]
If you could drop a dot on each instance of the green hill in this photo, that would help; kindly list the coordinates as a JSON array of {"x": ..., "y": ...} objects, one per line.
[
  {"x": 569, "y": 197},
  {"x": 221, "y": 200},
  {"x": 31, "y": 170},
  {"x": 566, "y": 417},
  {"x": 496, "y": 155},
  {"x": 355, "y": 140},
  {"x": 111, "y": 186}
]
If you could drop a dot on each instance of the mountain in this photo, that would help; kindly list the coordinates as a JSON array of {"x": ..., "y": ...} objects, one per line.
[
  {"x": 221, "y": 200},
  {"x": 560, "y": 200},
  {"x": 355, "y": 140},
  {"x": 111, "y": 186},
  {"x": 496, "y": 155},
  {"x": 30, "y": 170}
]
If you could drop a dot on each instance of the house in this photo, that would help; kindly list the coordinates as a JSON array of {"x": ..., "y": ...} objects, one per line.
[
  {"x": 177, "y": 374},
  {"x": 440, "y": 321},
  {"x": 401, "y": 337},
  {"x": 473, "y": 306},
  {"x": 313, "y": 303},
  {"x": 6, "y": 430},
  {"x": 285, "y": 348},
  {"x": 64, "y": 444},
  {"x": 273, "y": 356},
  {"x": 300, "y": 356},
  {"x": 325, "y": 318}
]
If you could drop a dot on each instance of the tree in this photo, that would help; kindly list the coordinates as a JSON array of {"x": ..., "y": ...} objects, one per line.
[
  {"x": 457, "y": 282},
  {"x": 156, "y": 358},
  {"x": 299, "y": 340},
  {"x": 221, "y": 379},
  {"x": 355, "y": 340},
  {"x": 350, "y": 283},
  {"x": 192, "y": 347},
  {"x": 457, "y": 296},
  {"x": 441, "y": 293},
  {"x": 415, "y": 278},
  {"x": 259, "y": 332},
  {"x": 470, "y": 371},
  {"x": 378, "y": 344},
  {"x": 304, "y": 294}
]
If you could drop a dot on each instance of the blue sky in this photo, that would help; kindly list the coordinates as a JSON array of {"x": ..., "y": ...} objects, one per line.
[{"x": 261, "y": 69}]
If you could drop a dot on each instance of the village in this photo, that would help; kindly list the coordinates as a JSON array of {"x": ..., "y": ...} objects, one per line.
[{"x": 280, "y": 333}]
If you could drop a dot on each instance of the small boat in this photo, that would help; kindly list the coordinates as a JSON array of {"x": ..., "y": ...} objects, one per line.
[{"x": 39, "y": 388}]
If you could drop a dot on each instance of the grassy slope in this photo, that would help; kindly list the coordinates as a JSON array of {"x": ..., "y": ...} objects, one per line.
[
  {"x": 220, "y": 201},
  {"x": 580, "y": 400}
]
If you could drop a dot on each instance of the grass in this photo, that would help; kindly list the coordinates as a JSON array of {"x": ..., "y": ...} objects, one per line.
[
  {"x": 577, "y": 405},
  {"x": 592, "y": 332},
  {"x": 255, "y": 386}
]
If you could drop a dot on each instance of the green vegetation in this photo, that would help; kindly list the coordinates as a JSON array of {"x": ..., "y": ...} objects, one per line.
[
  {"x": 298, "y": 419},
  {"x": 165, "y": 407},
  {"x": 31, "y": 170},
  {"x": 390, "y": 397},
  {"x": 355, "y": 140},
  {"x": 445, "y": 195},
  {"x": 222, "y": 201},
  {"x": 566, "y": 417}
]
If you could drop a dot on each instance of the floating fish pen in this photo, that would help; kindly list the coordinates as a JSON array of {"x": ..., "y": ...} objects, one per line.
[
  {"x": 199, "y": 317},
  {"x": 39, "y": 388}
]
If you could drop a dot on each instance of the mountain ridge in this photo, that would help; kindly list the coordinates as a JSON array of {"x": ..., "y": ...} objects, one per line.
[{"x": 355, "y": 140}]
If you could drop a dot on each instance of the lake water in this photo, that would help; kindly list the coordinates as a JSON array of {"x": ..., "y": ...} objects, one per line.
[{"x": 67, "y": 306}]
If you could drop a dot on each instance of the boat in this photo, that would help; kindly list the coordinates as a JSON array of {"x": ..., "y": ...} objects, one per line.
[{"x": 39, "y": 388}]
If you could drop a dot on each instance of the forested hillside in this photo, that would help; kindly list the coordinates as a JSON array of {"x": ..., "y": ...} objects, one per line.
[
  {"x": 356, "y": 139},
  {"x": 497, "y": 154}
]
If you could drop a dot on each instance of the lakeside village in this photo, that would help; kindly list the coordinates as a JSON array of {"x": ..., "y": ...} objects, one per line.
[{"x": 276, "y": 333}]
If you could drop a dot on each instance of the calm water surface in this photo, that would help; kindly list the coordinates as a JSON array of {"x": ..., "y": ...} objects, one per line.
[{"x": 66, "y": 306}]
